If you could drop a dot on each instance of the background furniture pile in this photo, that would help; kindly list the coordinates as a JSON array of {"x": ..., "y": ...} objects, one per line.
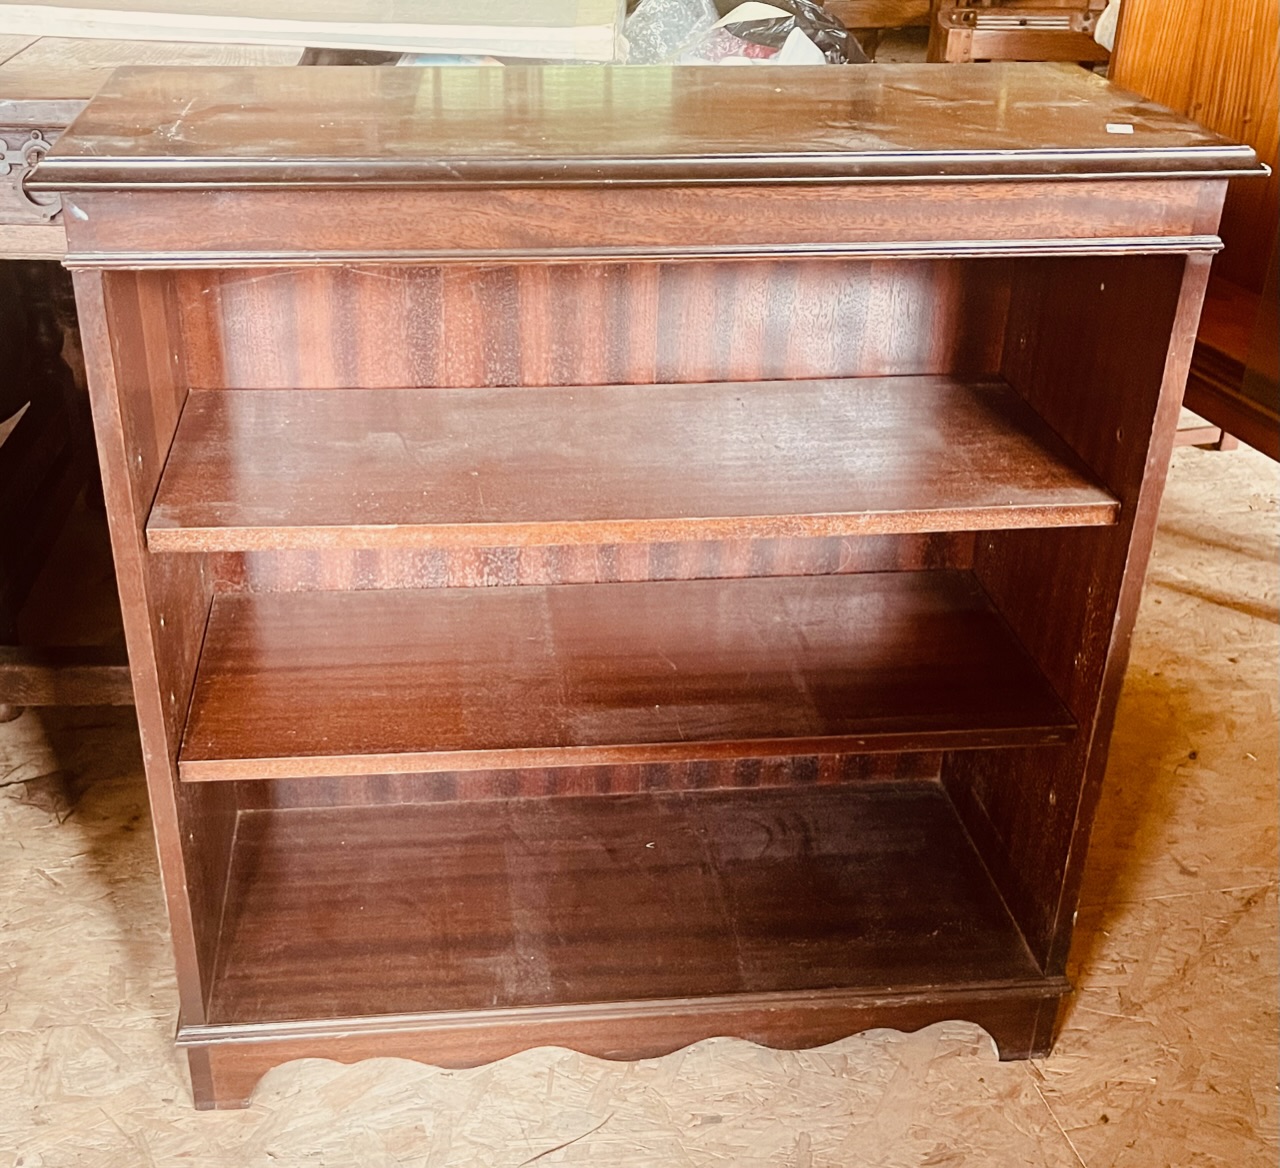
[{"x": 1217, "y": 62}]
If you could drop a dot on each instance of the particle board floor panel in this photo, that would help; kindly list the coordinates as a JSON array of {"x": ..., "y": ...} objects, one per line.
[{"x": 1167, "y": 1057}]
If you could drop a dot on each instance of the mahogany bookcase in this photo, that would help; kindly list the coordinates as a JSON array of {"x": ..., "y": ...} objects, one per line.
[{"x": 612, "y": 557}]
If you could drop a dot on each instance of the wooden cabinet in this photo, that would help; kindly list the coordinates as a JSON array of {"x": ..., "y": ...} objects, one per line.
[
  {"x": 1220, "y": 62},
  {"x": 614, "y": 557}
]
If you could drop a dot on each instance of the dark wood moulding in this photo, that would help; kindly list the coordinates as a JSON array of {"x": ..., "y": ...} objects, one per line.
[{"x": 620, "y": 225}]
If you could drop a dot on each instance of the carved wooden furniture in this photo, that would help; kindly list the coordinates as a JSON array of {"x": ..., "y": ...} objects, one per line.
[
  {"x": 44, "y": 83},
  {"x": 1015, "y": 30},
  {"x": 46, "y": 460},
  {"x": 1235, "y": 371},
  {"x": 30, "y": 119},
  {"x": 867, "y": 19},
  {"x": 60, "y": 643},
  {"x": 613, "y": 557}
]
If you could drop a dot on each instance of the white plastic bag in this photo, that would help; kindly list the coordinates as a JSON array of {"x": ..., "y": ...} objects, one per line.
[{"x": 659, "y": 30}]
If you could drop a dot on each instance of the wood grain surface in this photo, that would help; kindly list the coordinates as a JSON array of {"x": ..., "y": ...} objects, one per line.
[
  {"x": 1071, "y": 596},
  {"x": 136, "y": 391},
  {"x": 227, "y": 1061},
  {"x": 334, "y": 683},
  {"x": 1216, "y": 62},
  {"x": 337, "y": 914},
  {"x": 879, "y": 14},
  {"x": 67, "y": 69},
  {"x": 611, "y": 464},
  {"x": 388, "y": 326},
  {"x": 643, "y": 233}
]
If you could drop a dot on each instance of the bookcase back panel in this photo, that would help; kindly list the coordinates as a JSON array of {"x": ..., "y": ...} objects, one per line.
[
  {"x": 338, "y": 568},
  {"x": 586, "y": 323}
]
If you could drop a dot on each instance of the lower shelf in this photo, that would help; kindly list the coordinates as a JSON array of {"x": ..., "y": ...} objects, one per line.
[
  {"x": 525, "y": 912},
  {"x": 322, "y": 684}
]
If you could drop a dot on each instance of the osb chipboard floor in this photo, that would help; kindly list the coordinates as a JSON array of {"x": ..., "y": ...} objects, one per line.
[{"x": 1168, "y": 1055}]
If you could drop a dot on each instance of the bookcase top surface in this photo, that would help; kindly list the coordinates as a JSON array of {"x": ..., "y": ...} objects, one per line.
[{"x": 582, "y": 125}]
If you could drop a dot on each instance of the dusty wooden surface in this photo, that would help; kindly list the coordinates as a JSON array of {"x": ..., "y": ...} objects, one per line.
[
  {"x": 1167, "y": 1056},
  {"x": 467, "y": 128}
]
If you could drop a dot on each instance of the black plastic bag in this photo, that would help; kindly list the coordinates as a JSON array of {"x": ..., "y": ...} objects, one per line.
[{"x": 826, "y": 31}]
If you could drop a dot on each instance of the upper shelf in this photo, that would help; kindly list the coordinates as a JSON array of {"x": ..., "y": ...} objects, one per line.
[
  {"x": 262, "y": 469},
  {"x": 517, "y": 126}
]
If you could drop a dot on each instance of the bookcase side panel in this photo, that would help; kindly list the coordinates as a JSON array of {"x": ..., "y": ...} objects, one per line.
[
  {"x": 1101, "y": 349},
  {"x": 137, "y": 387}
]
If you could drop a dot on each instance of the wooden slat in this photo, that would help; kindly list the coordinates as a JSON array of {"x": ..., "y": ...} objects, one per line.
[
  {"x": 776, "y": 223},
  {"x": 77, "y": 676},
  {"x": 395, "y": 910},
  {"x": 46, "y": 85},
  {"x": 12, "y": 44},
  {"x": 1013, "y": 44},
  {"x": 379, "y": 682},
  {"x": 611, "y": 464},
  {"x": 229, "y": 1060}
]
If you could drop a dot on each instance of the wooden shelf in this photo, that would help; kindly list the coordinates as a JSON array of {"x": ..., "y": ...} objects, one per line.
[
  {"x": 360, "y": 683},
  {"x": 350, "y": 912},
  {"x": 253, "y": 469}
]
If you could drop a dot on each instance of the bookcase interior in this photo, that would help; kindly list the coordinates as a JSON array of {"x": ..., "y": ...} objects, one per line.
[{"x": 381, "y": 828}]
